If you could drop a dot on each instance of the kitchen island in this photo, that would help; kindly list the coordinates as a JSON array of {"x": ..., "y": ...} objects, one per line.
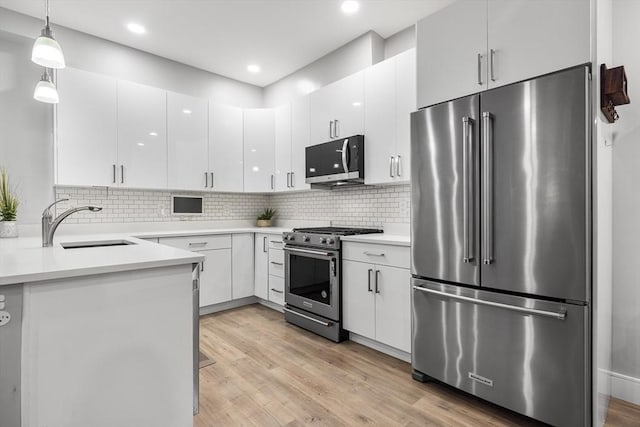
[{"x": 99, "y": 333}]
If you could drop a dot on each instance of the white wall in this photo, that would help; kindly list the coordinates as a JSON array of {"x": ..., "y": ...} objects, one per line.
[
  {"x": 400, "y": 41},
  {"x": 626, "y": 208}
]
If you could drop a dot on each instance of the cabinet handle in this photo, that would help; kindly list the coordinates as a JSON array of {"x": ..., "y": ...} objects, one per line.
[
  {"x": 202, "y": 266},
  {"x": 373, "y": 253},
  {"x": 121, "y": 174},
  {"x": 198, "y": 244},
  {"x": 331, "y": 129},
  {"x": 264, "y": 244},
  {"x": 288, "y": 179},
  {"x": 276, "y": 290},
  {"x": 336, "y": 128},
  {"x": 206, "y": 180},
  {"x": 293, "y": 181},
  {"x": 480, "y": 69},
  {"x": 114, "y": 173},
  {"x": 211, "y": 179},
  {"x": 398, "y": 166},
  {"x": 377, "y": 281},
  {"x": 492, "y": 61},
  {"x": 391, "y": 167},
  {"x": 272, "y": 181},
  {"x": 276, "y": 263},
  {"x": 369, "y": 279}
]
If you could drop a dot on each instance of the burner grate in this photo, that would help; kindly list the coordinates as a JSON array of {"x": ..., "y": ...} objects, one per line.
[{"x": 338, "y": 231}]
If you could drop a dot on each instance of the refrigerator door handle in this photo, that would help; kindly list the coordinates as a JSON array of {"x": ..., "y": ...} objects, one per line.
[
  {"x": 487, "y": 184},
  {"x": 559, "y": 315},
  {"x": 467, "y": 189}
]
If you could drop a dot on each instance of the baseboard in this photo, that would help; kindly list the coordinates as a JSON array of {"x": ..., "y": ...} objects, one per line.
[
  {"x": 625, "y": 387},
  {"x": 382, "y": 348},
  {"x": 215, "y": 308},
  {"x": 271, "y": 305}
]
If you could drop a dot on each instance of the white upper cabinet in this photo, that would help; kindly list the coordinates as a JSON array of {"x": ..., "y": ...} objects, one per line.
[
  {"x": 188, "y": 145},
  {"x": 299, "y": 141},
  {"x": 259, "y": 150},
  {"x": 474, "y": 45},
  {"x": 336, "y": 110},
  {"x": 226, "y": 170},
  {"x": 86, "y": 144},
  {"x": 389, "y": 100},
  {"x": 283, "y": 148},
  {"x": 142, "y": 136},
  {"x": 531, "y": 38},
  {"x": 451, "y": 52}
]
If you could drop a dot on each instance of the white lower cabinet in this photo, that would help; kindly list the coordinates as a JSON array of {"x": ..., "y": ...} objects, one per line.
[
  {"x": 377, "y": 302},
  {"x": 215, "y": 277},
  {"x": 261, "y": 271},
  {"x": 269, "y": 268},
  {"x": 242, "y": 254}
]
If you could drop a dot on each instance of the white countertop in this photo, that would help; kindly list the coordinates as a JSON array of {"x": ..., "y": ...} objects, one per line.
[
  {"x": 24, "y": 260},
  {"x": 380, "y": 239},
  {"x": 209, "y": 231}
]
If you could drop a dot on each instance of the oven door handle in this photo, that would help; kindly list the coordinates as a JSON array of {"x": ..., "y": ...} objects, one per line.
[
  {"x": 308, "y": 251},
  {"x": 327, "y": 324}
]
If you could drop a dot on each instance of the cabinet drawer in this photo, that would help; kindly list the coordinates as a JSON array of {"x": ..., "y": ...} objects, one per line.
[
  {"x": 276, "y": 262},
  {"x": 199, "y": 243},
  {"x": 276, "y": 289},
  {"x": 397, "y": 256},
  {"x": 275, "y": 241}
]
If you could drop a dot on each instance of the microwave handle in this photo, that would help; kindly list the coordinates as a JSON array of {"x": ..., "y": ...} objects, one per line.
[{"x": 345, "y": 155}]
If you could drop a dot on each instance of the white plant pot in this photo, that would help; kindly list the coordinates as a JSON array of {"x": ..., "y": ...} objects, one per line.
[{"x": 8, "y": 229}]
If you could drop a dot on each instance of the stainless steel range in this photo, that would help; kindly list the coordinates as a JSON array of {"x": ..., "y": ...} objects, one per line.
[{"x": 313, "y": 291}]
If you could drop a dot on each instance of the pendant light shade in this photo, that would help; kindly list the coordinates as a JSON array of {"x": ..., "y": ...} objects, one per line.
[
  {"x": 46, "y": 50},
  {"x": 45, "y": 90}
]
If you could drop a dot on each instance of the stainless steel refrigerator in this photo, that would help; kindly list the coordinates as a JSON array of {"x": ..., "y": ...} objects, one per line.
[{"x": 501, "y": 251}]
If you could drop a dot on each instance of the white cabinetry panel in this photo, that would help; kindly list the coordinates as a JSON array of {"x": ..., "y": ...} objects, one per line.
[
  {"x": 225, "y": 149},
  {"x": 215, "y": 277},
  {"x": 358, "y": 298},
  {"x": 283, "y": 148},
  {"x": 393, "y": 307},
  {"x": 242, "y": 258},
  {"x": 259, "y": 150},
  {"x": 299, "y": 141}
]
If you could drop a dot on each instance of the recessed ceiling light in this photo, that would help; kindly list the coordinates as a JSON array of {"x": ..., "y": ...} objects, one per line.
[
  {"x": 153, "y": 133},
  {"x": 140, "y": 144},
  {"x": 136, "y": 28},
  {"x": 187, "y": 111},
  {"x": 253, "y": 68},
  {"x": 357, "y": 104},
  {"x": 350, "y": 6}
]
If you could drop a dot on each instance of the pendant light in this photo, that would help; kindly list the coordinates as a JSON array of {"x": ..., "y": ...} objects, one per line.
[
  {"x": 45, "y": 89},
  {"x": 46, "y": 50}
]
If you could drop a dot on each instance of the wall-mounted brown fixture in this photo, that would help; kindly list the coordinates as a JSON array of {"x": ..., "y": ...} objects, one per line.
[{"x": 613, "y": 91}]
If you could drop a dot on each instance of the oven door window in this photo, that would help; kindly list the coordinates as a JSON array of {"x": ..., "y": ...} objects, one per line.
[{"x": 310, "y": 278}]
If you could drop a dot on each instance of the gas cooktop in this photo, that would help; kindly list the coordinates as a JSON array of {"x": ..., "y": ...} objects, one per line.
[{"x": 337, "y": 231}]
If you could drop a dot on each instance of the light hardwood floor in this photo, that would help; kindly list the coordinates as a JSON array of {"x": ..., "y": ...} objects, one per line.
[{"x": 270, "y": 373}]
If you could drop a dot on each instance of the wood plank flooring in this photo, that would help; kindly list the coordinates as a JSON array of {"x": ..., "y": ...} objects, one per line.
[{"x": 270, "y": 373}]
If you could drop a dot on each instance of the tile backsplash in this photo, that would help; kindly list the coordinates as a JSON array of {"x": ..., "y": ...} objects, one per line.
[{"x": 357, "y": 206}]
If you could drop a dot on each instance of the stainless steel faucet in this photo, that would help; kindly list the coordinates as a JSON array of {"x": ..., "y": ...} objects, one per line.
[{"x": 50, "y": 225}]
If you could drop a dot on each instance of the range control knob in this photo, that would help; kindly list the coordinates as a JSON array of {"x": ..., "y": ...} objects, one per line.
[
  {"x": 305, "y": 238},
  {"x": 331, "y": 241},
  {"x": 323, "y": 240},
  {"x": 291, "y": 237}
]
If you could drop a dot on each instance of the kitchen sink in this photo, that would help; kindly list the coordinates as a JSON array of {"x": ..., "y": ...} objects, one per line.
[{"x": 97, "y": 244}]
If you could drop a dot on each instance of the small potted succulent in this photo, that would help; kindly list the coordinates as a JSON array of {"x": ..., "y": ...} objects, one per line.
[
  {"x": 8, "y": 207},
  {"x": 266, "y": 218}
]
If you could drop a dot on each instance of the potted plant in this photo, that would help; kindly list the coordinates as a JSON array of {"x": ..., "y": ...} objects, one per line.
[
  {"x": 266, "y": 218},
  {"x": 8, "y": 207}
]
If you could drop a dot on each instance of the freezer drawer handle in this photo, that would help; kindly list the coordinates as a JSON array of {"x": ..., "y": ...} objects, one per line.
[
  {"x": 561, "y": 315},
  {"x": 327, "y": 324},
  {"x": 467, "y": 189}
]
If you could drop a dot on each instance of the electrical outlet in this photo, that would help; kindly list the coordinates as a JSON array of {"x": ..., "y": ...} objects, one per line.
[{"x": 5, "y": 318}]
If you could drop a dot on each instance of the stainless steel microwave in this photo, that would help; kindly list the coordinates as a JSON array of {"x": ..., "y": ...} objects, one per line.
[{"x": 336, "y": 163}]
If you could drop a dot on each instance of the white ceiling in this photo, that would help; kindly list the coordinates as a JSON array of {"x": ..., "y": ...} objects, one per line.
[{"x": 224, "y": 36}]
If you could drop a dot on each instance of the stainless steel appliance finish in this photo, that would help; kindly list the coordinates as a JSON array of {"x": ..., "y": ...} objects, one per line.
[
  {"x": 336, "y": 163},
  {"x": 10, "y": 354},
  {"x": 501, "y": 250},
  {"x": 312, "y": 268},
  {"x": 525, "y": 354}
]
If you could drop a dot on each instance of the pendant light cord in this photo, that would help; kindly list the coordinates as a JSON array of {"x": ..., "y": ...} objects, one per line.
[{"x": 46, "y": 13}]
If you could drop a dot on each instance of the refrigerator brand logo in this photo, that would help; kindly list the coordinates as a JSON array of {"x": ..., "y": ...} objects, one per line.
[
  {"x": 307, "y": 304},
  {"x": 481, "y": 379}
]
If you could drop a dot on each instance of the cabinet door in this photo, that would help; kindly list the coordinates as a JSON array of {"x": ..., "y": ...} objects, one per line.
[
  {"x": 242, "y": 261},
  {"x": 225, "y": 148},
  {"x": 282, "y": 147},
  {"x": 86, "y": 144},
  {"x": 276, "y": 289},
  {"x": 531, "y": 38},
  {"x": 348, "y": 104},
  {"x": 261, "y": 270},
  {"x": 142, "y": 136},
  {"x": 215, "y": 277},
  {"x": 448, "y": 44},
  {"x": 405, "y": 105},
  {"x": 259, "y": 142},
  {"x": 187, "y": 132},
  {"x": 321, "y": 115},
  {"x": 393, "y": 307},
  {"x": 299, "y": 141},
  {"x": 380, "y": 122},
  {"x": 358, "y": 298}
]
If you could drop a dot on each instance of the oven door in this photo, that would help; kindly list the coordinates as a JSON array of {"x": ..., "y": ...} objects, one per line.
[{"x": 312, "y": 278}]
